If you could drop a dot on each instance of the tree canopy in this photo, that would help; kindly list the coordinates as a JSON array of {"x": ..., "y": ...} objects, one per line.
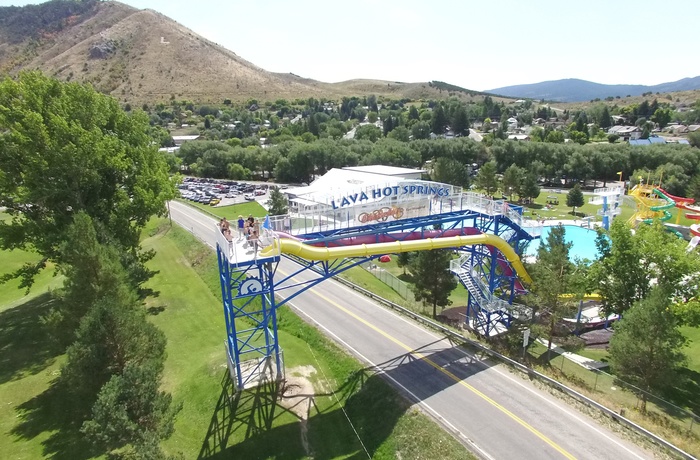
[
  {"x": 433, "y": 281},
  {"x": 64, "y": 149}
]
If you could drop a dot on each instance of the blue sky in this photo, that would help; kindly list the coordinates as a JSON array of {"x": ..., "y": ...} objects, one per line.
[{"x": 474, "y": 44}]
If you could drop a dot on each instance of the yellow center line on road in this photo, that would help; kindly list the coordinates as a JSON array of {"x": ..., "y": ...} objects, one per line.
[{"x": 424, "y": 358}]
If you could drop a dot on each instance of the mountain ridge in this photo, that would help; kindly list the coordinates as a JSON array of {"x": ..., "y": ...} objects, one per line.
[{"x": 578, "y": 90}]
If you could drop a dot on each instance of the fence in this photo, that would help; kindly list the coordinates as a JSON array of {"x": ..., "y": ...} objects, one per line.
[
  {"x": 613, "y": 392},
  {"x": 393, "y": 282}
]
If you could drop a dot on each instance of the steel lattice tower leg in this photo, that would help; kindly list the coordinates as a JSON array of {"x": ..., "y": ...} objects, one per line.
[{"x": 250, "y": 312}]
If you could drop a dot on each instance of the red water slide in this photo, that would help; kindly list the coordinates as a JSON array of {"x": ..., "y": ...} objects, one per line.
[{"x": 677, "y": 199}]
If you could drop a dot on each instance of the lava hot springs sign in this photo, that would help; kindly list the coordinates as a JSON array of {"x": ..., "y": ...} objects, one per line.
[{"x": 397, "y": 190}]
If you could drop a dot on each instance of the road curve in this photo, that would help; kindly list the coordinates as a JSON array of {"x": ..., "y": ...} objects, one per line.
[{"x": 501, "y": 415}]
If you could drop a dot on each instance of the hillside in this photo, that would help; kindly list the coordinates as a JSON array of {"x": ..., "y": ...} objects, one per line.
[
  {"x": 144, "y": 56},
  {"x": 574, "y": 90}
]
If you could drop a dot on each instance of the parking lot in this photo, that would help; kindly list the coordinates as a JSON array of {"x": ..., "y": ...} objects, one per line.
[{"x": 221, "y": 192}]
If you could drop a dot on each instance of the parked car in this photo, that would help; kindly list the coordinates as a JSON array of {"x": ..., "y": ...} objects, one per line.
[
  {"x": 214, "y": 202},
  {"x": 260, "y": 192},
  {"x": 249, "y": 197}
]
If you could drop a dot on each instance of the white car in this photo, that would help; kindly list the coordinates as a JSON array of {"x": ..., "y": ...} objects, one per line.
[{"x": 249, "y": 197}]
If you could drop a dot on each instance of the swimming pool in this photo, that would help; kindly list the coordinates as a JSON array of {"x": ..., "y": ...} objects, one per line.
[{"x": 583, "y": 240}]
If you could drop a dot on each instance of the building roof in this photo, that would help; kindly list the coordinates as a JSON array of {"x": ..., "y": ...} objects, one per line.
[
  {"x": 385, "y": 170},
  {"x": 185, "y": 138},
  {"x": 619, "y": 129},
  {"x": 339, "y": 182}
]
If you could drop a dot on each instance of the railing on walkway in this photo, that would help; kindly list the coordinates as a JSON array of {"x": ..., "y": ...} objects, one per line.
[{"x": 330, "y": 219}]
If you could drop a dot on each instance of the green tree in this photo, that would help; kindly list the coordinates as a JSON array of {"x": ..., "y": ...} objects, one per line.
[
  {"x": 277, "y": 203},
  {"x": 372, "y": 117},
  {"x": 438, "y": 123},
  {"x": 66, "y": 148},
  {"x": 555, "y": 137},
  {"x": 131, "y": 411},
  {"x": 420, "y": 130},
  {"x": 113, "y": 333},
  {"x": 433, "y": 281},
  {"x": 460, "y": 121},
  {"x": 91, "y": 271},
  {"x": 694, "y": 139},
  {"x": 530, "y": 189},
  {"x": 606, "y": 120},
  {"x": 645, "y": 349},
  {"x": 400, "y": 133},
  {"x": 574, "y": 198},
  {"x": 449, "y": 171},
  {"x": 661, "y": 117},
  {"x": 487, "y": 125},
  {"x": 630, "y": 264},
  {"x": 369, "y": 132},
  {"x": 404, "y": 259},
  {"x": 552, "y": 277},
  {"x": 512, "y": 180},
  {"x": 486, "y": 178}
]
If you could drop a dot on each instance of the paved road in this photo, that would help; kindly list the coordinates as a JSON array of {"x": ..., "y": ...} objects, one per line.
[{"x": 501, "y": 415}]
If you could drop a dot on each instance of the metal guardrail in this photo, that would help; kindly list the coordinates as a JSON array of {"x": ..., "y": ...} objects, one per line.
[{"x": 531, "y": 373}]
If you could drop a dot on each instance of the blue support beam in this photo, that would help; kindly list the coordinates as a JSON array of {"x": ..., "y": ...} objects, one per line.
[{"x": 249, "y": 290}]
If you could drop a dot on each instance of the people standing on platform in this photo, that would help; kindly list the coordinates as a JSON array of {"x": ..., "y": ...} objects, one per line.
[
  {"x": 224, "y": 225},
  {"x": 241, "y": 228},
  {"x": 254, "y": 241}
]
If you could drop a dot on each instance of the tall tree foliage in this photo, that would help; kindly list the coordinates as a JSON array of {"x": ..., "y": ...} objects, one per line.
[
  {"x": 631, "y": 264},
  {"x": 433, "y": 281},
  {"x": 574, "y": 198},
  {"x": 646, "y": 346},
  {"x": 66, "y": 148},
  {"x": 552, "y": 277},
  {"x": 486, "y": 178},
  {"x": 277, "y": 203},
  {"x": 114, "y": 367}
]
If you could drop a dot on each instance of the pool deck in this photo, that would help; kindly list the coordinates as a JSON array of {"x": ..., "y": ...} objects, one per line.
[{"x": 552, "y": 222}]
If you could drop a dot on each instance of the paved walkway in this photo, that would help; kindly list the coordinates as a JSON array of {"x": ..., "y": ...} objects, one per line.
[{"x": 590, "y": 364}]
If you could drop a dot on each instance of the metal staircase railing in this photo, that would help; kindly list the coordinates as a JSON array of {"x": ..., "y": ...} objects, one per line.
[{"x": 481, "y": 294}]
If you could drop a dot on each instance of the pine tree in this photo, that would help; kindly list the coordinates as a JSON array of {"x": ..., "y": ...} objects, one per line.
[
  {"x": 486, "y": 178},
  {"x": 433, "y": 281},
  {"x": 277, "y": 203},
  {"x": 574, "y": 198},
  {"x": 552, "y": 278}
]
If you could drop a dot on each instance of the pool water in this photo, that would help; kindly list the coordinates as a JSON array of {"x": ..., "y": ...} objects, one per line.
[{"x": 583, "y": 240}]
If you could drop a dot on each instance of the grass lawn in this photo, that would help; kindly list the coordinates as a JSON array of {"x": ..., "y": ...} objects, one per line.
[
  {"x": 540, "y": 209},
  {"x": 191, "y": 316},
  {"x": 10, "y": 293},
  {"x": 188, "y": 309}
]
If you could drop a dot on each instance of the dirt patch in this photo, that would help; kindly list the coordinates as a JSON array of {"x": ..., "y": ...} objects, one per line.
[{"x": 297, "y": 396}]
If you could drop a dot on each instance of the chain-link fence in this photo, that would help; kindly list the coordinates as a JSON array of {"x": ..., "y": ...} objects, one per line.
[
  {"x": 393, "y": 282},
  {"x": 626, "y": 398}
]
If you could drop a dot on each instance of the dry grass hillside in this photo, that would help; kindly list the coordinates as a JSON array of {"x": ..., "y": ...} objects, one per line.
[
  {"x": 144, "y": 56},
  {"x": 676, "y": 99}
]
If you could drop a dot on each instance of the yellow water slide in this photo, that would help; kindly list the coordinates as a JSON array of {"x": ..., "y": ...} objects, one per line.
[{"x": 305, "y": 251}]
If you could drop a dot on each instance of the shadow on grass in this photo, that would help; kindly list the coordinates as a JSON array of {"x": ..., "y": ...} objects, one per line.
[
  {"x": 51, "y": 412},
  {"x": 361, "y": 415},
  {"x": 687, "y": 392},
  {"x": 26, "y": 345}
]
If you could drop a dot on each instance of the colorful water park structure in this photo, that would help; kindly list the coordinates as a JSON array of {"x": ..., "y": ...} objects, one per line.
[
  {"x": 349, "y": 217},
  {"x": 653, "y": 202}
]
